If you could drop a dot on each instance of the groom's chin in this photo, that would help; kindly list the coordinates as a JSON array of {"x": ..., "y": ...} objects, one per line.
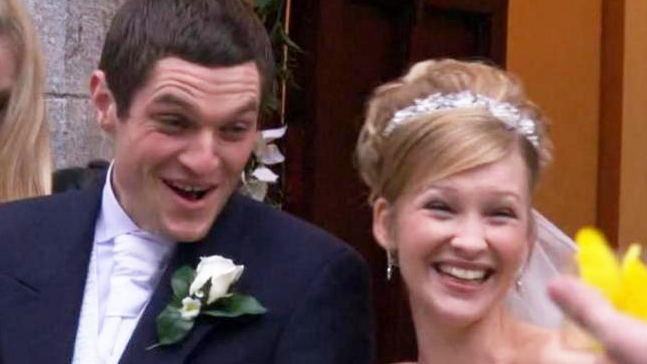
[{"x": 187, "y": 231}]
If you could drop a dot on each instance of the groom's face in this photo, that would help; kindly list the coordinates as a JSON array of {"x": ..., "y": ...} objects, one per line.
[{"x": 182, "y": 145}]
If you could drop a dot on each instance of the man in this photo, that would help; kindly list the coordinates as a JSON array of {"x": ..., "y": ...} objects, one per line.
[
  {"x": 84, "y": 275},
  {"x": 624, "y": 337}
]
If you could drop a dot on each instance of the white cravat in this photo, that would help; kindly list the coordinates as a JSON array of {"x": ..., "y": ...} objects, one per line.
[
  {"x": 125, "y": 267},
  {"x": 137, "y": 263}
]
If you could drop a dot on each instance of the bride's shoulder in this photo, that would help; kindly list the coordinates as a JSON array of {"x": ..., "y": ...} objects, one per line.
[{"x": 544, "y": 346}]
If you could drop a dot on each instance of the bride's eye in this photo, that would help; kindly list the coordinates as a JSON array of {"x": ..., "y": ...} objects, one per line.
[
  {"x": 506, "y": 212},
  {"x": 503, "y": 214},
  {"x": 439, "y": 207}
]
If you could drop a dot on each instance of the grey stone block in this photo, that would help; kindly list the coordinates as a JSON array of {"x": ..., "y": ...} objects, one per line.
[
  {"x": 50, "y": 19},
  {"x": 56, "y": 115},
  {"x": 88, "y": 22},
  {"x": 71, "y": 33},
  {"x": 76, "y": 137}
]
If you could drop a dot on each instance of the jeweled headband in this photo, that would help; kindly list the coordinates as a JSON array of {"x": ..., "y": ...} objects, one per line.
[{"x": 509, "y": 115}]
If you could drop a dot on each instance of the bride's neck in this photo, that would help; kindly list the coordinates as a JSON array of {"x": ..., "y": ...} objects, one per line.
[{"x": 485, "y": 341}]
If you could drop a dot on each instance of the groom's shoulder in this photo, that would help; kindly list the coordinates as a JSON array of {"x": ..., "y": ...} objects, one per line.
[
  {"x": 28, "y": 220},
  {"x": 35, "y": 229},
  {"x": 42, "y": 209},
  {"x": 283, "y": 231}
]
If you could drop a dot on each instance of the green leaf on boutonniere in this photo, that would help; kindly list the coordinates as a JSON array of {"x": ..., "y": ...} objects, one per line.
[
  {"x": 234, "y": 306},
  {"x": 181, "y": 281},
  {"x": 171, "y": 327}
]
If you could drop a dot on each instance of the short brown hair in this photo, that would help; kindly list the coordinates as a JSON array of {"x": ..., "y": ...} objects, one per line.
[{"x": 205, "y": 32}]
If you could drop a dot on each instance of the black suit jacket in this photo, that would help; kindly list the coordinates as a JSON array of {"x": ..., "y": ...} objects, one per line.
[{"x": 315, "y": 288}]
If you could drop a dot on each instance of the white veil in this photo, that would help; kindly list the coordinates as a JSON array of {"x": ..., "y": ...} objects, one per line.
[{"x": 552, "y": 255}]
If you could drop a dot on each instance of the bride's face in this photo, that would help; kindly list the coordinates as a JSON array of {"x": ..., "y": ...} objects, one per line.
[{"x": 460, "y": 240}]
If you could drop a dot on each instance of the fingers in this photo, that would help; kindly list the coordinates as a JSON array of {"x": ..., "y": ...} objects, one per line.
[
  {"x": 583, "y": 304},
  {"x": 624, "y": 337}
]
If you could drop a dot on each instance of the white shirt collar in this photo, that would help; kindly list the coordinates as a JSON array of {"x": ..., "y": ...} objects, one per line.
[{"x": 113, "y": 220}]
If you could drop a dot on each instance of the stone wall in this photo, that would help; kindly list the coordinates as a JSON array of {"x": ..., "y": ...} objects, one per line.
[{"x": 72, "y": 33}]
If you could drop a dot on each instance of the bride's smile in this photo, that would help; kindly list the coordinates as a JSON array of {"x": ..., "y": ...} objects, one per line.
[{"x": 462, "y": 274}]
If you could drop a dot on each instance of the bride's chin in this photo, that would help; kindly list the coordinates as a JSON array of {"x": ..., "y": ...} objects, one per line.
[{"x": 440, "y": 304}]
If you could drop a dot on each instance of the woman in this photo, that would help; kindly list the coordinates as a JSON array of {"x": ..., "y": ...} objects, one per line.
[
  {"x": 25, "y": 161},
  {"x": 451, "y": 153}
]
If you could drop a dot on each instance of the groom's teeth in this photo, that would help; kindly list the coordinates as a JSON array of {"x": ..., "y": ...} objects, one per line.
[
  {"x": 188, "y": 191},
  {"x": 462, "y": 273}
]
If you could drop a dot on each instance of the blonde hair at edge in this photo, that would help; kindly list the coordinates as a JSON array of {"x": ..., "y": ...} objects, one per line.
[
  {"x": 25, "y": 157},
  {"x": 444, "y": 142}
]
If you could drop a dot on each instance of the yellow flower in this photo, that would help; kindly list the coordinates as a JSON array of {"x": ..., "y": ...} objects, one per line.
[{"x": 624, "y": 284}]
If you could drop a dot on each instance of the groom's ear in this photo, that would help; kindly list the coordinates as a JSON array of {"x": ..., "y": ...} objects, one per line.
[
  {"x": 382, "y": 221},
  {"x": 104, "y": 101}
]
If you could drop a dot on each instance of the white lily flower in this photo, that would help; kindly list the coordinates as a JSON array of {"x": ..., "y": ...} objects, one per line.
[
  {"x": 265, "y": 174},
  {"x": 269, "y": 153},
  {"x": 271, "y": 134},
  {"x": 255, "y": 183}
]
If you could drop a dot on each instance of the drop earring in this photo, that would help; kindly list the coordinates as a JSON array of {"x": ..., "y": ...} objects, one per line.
[
  {"x": 390, "y": 264},
  {"x": 518, "y": 285}
]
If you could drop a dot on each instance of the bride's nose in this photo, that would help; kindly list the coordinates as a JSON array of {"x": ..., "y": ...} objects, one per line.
[{"x": 469, "y": 236}]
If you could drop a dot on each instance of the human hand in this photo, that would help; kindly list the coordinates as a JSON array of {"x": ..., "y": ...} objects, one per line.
[{"x": 624, "y": 338}]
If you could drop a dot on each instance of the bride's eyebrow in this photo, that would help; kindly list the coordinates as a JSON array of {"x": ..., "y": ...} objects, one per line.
[
  {"x": 436, "y": 186},
  {"x": 431, "y": 189},
  {"x": 508, "y": 195}
]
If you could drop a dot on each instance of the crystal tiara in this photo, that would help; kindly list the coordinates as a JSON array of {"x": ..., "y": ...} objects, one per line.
[{"x": 503, "y": 111}]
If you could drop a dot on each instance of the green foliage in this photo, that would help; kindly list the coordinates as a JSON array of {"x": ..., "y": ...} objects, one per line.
[
  {"x": 171, "y": 327},
  {"x": 234, "y": 306},
  {"x": 272, "y": 13},
  {"x": 181, "y": 281}
]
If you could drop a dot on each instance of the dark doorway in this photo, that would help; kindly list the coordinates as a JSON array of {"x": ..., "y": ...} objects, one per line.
[{"x": 351, "y": 47}]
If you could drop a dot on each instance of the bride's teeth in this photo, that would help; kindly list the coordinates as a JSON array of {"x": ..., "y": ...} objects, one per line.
[{"x": 461, "y": 273}]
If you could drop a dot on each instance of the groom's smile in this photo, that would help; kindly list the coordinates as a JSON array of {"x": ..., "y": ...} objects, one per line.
[{"x": 188, "y": 191}]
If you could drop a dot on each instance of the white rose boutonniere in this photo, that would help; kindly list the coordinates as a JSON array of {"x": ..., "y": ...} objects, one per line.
[
  {"x": 219, "y": 272},
  {"x": 204, "y": 291}
]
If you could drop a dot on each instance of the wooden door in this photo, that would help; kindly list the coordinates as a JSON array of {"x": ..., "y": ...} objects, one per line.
[{"x": 351, "y": 47}]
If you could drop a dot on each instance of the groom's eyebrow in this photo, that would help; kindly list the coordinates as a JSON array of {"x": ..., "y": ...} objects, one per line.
[{"x": 167, "y": 99}]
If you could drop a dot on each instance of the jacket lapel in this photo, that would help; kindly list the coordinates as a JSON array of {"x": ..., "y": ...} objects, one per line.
[
  {"x": 225, "y": 238},
  {"x": 43, "y": 299}
]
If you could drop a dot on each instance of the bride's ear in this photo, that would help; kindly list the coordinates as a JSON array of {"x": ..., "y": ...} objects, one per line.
[{"x": 382, "y": 220}]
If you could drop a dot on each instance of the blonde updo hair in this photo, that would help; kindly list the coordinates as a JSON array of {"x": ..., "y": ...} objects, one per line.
[
  {"x": 25, "y": 156},
  {"x": 444, "y": 142}
]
